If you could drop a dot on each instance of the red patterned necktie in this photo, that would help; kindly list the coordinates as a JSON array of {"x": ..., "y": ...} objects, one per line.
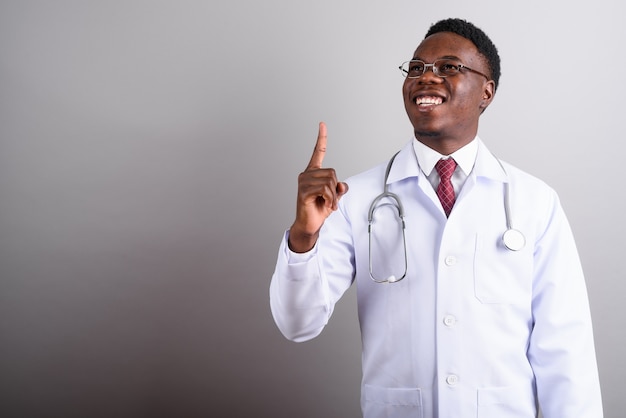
[{"x": 445, "y": 191}]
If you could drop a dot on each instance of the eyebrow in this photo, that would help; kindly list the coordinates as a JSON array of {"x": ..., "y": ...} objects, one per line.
[{"x": 445, "y": 57}]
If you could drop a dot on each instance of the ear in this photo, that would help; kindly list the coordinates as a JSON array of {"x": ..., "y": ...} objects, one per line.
[{"x": 489, "y": 90}]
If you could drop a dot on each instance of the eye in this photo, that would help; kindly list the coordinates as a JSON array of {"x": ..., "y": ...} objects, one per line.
[
  {"x": 416, "y": 67},
  {"x": 449, "y": 67}
]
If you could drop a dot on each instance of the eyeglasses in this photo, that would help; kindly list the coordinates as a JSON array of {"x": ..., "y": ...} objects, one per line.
[{"x": 441, "y": 68}]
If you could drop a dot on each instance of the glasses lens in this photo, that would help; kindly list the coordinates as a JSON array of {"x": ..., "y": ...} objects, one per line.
[
  {"x": 412, "y": 69},
  {"x": 447, "y": 68},
  {"x": 442, "y": 68}
]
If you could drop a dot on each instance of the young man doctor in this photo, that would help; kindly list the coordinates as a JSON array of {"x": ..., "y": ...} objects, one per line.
[{"x": 465, "y": 324}]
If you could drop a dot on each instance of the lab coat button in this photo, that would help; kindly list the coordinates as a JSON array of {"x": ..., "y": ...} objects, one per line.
[
  {"x": 449, "y": 320},
  {"x": 450, "y": 260},
  {"x": 452, "y": 380}
]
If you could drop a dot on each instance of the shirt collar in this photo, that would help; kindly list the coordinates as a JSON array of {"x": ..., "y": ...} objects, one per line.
[
  {"x": 464, "y": 156},
  {"x": 482, "y": 163}
]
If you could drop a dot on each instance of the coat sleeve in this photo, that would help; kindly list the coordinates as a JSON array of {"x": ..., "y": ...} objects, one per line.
[
  {"x": 561, "y": 349},
  {"x": 305, "y": 287}
]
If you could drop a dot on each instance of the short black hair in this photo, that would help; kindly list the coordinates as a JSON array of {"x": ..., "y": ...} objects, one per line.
[{"x": 479, "y": 38}]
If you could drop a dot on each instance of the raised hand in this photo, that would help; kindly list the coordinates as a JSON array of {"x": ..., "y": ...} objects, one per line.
[{"x": 318, "y": 196}]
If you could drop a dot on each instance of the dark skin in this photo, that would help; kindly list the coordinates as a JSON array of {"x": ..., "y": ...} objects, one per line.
[
  {"x": 444, "y": 127},
  {"x": 319, "y": 192},
  {"x": 454, "y": 123}
]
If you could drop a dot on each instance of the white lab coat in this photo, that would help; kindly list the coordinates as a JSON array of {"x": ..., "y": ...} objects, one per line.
[{"x": 474, "y": 330}]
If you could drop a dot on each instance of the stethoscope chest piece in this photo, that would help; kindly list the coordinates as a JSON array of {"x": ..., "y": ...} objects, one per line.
[{"x": 513, "y": 239}]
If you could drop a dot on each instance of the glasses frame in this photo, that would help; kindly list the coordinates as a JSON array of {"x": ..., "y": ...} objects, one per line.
[{"x": 435, "y": 69}]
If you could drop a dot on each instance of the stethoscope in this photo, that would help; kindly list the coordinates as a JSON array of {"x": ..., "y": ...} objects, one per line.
[{"x": 512, "y": 238}]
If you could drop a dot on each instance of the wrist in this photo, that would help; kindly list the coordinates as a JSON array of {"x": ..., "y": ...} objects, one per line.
[{"x": 300, "y": 241}]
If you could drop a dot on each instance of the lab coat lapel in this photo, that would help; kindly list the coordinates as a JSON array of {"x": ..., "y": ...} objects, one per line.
[
  {"x": 487, "y": 165},
  {"x": 405, "y": 166}
]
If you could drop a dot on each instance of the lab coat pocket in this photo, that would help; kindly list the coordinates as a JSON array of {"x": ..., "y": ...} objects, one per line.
[
  {"x": 382, "y": 402},
  {"x": 509, "y": 402},
  {"x": 501, "y": 276}
]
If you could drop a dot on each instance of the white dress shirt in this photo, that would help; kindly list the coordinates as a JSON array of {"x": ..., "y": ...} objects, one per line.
[{"x": 464, "y": 157}]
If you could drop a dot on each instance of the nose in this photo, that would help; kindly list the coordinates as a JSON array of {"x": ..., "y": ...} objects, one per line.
[{"x": 428, "y": 76}]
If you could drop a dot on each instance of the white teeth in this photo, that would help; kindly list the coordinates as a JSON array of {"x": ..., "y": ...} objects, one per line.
[{"x": 429, "y": 100}]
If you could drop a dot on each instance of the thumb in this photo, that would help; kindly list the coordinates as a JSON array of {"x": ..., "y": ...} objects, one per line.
[{"x": 342, "y": 188}]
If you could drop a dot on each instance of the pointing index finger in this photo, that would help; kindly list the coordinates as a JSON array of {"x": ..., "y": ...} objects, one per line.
[{"x": 320, "y": 148}]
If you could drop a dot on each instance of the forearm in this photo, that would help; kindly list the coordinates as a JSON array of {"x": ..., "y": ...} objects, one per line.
[
  {"x": 299, "y": 296},
  {"x": 305, "y": 287}
]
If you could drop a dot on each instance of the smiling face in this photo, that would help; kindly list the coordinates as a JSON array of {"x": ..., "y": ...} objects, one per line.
[{"x": 445, "y": 111}]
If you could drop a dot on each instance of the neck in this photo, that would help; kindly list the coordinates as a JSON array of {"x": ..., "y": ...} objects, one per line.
[{"x": 444, "y": 146}]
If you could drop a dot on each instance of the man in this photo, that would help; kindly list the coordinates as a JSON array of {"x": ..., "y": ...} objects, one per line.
[{"x": 456, "y": 321}]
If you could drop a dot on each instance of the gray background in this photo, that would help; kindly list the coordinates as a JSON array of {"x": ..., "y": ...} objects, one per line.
[{"x": 148, "y": 160}]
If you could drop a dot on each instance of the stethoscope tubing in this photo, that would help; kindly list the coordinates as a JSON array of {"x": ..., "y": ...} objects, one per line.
[{"x": 512, "y": 238}]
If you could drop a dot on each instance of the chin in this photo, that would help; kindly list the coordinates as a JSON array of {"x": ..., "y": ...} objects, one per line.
[{"x": 420, "y": 133}]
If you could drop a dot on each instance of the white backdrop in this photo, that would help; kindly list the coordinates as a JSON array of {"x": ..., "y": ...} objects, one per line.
[{"x": 148, "y": 160}]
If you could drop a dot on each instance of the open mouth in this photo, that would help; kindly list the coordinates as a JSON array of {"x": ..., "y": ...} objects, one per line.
[{"x": 428, "y": 101}]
